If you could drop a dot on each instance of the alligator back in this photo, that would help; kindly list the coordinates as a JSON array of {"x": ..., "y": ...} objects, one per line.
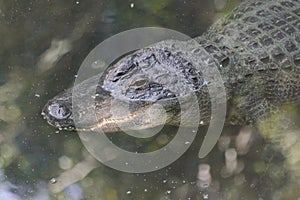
[{"x": 257, "y": 49}]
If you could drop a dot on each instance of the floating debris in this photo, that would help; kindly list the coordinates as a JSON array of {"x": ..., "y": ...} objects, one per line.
[
  {"x": 231, "y": 160},
  {"x": 243, "y": 140},
  {"x": 232, "y": 165},
  {"x": 57, "y": 49},
  {"x": 78, "y": 172},
  {"x": 204, "y": 176}
]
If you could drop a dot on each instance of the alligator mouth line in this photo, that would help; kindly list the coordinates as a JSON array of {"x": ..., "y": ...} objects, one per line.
[{"x": 114, "y": 124}]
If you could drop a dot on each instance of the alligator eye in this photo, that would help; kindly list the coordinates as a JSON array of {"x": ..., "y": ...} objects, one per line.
[
  {"x": 58, "y": 111},
  {"x": 138, "y": 82}
]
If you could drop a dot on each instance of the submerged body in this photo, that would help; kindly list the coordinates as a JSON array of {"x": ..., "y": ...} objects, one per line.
[{"x": 256, "y": 50}]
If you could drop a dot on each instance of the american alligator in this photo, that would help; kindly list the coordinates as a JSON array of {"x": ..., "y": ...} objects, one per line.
[{"x": 256, "y": 49}]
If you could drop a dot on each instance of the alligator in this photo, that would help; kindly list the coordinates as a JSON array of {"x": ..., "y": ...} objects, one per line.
[{"x": 256, "y": 49}]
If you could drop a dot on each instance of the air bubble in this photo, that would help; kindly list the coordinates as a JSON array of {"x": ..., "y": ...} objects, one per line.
[
  {"x": 53, "y": 181},
  {"x": 128, "y": 192}
]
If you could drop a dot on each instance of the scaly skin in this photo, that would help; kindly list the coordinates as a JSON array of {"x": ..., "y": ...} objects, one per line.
[{"x": 256, "y": 50}]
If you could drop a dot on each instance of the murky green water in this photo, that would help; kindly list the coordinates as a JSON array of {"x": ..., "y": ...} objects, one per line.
[{"x": 42, "y": 46}]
